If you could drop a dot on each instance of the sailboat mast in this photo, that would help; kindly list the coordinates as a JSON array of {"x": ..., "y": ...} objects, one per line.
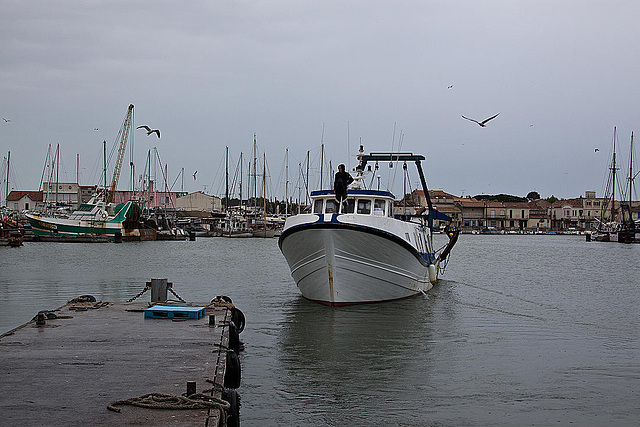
[
  {"x": 264, "y": 191},
  {"x": 241, "y": 165},
  {"x": 286, "y": 185},
  {"x": 631, "y": 173},
  {"x": 613, "y": 172},
  {"x": 104, "y": 167},
  {"x": 255, "y": 188},
  {"x": 57, "y": 172},
  {"x": 6, "y": 194},
  {"x": 306, "y": 196},
  {"x": 226, "y": 168}
]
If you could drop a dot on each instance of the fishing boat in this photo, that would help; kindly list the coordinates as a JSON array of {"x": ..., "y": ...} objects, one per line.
[
  {"x": 358, "y": 251},
  {"x": 90, "y": 219}
]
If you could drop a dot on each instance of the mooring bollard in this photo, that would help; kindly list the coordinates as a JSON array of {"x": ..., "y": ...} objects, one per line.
[
  {"x": 191, "y": 388},
  {"x": 159, "y": 290},
  {"x": 41, "y": 319},
  {"x": 212, "y": 320}
]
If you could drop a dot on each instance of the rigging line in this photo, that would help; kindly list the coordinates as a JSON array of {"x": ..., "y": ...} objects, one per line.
[
  {"x": 281, "y": 173},
  {"x": 221, "y": 182},
  {"x": 236, "y": 179},
  {"x": 46, "y": 163},
  {"x": 400, "y": 137},
  {"x": 176, "y": 180},
  {"x": 164, "y": 177}
]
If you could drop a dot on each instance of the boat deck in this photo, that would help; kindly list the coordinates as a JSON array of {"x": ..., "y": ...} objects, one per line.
[{"x": 67, "y": 371}]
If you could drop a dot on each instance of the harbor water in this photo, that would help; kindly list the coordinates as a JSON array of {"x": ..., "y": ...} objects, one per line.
[{"x": 521, "y": 330}]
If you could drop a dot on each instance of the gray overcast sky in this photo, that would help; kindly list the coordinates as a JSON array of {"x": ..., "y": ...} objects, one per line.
[{"x": 209, "y": 74}]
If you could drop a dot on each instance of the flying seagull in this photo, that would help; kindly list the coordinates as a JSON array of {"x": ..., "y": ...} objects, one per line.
[
  {"x": 149, "y": 130},
  {"x": 194, "y": 175},
  {"x": 596, "y": 150},
  {"x": 6, "y": 120},
  {"x": 482, "y": 123}
]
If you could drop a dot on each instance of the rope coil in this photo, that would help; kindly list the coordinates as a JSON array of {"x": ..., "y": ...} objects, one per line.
[{"x": 170, "y": 401}]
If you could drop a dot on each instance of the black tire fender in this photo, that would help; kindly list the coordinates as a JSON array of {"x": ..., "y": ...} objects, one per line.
[
  {"x": 233, "y": 414},
  {"x": 233, "y": 371}
]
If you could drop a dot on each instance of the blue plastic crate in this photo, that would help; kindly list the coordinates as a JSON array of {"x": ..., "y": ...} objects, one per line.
[{"x": 173, "y": 312}]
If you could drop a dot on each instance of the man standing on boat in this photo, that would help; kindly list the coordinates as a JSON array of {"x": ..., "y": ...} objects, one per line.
[{"x": 342, "y": 181}]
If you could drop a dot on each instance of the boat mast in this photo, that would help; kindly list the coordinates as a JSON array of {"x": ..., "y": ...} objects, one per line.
[
  {"x": 613, "y": 172},
  {"x": 321, "y": 156},
  {"x": 57, "y": 172},
  {"x": 255, "y": 187},
  {"x": 226, "y": 168},
  {"x": 104, "y": 168},
  {"x": 306, "y": 196},
  {"x": 286, "y": 185},
  {"x": 264, "y": 192},
  {"x": 6, "y": 194},
  {"x": 241, "y": 165},
  {"x": 631, "y": 173}
]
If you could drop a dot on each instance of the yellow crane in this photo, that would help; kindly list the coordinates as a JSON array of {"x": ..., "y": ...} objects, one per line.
[{"x": 123, "y": 135}]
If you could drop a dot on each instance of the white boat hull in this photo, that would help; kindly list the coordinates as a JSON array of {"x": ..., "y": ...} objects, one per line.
[{"x": 341, "y": 265}]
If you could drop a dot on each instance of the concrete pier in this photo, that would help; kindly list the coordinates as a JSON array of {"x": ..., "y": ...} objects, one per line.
[{"x": 86, "y": 355}]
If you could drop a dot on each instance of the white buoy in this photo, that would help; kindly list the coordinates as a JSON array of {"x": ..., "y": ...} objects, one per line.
[{"x": 433, "y": 274}]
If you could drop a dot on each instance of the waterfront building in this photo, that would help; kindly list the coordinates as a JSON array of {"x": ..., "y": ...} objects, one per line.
[
  {"x": 199, "y": 201},
  {"x": 472, "y": 213},
  {"x": 24, "y": 200},
  {"x": 517, "y": 216},
  {"x": 61, "y": 194},
  {"x": 150, "y": 197},
  {"x": 538, "y": 220}
]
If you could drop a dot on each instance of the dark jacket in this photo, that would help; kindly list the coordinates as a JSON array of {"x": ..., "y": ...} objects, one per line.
[{"x": 342, "y": 181}]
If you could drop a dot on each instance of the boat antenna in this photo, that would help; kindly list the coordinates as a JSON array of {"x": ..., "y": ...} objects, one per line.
[
  {"x": 321, "y": 156},
  {"x": 348, "y": 142}
]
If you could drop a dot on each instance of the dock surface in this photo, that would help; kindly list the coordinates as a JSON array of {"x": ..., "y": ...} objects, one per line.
[{"x": 69, "y": 370}]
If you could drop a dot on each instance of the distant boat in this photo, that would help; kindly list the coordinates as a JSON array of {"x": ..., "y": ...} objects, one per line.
[
  {"x": 91, "y": 218},
  {"x": 620, "y": 227},
  {"x": 264, "y": 230},
  {"x": 11, "y": 237},
  {"x": 360, "y": 252}
]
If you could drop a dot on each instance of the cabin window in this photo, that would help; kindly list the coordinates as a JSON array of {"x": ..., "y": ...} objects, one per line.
[
  {"x": 348, "y": 206},
  {"x": 331, "y": 206},
  {"x": 317, "y": 206},
  {"x": 364, "y": 207},
  {"x": 378, "y": 207}
]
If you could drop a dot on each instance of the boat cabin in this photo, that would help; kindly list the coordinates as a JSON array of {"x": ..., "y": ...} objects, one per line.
[{"x": 361, "y": 202}]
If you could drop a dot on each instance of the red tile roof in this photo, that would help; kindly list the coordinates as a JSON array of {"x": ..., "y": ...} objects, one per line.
[{"x": 14, "y": 196}]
